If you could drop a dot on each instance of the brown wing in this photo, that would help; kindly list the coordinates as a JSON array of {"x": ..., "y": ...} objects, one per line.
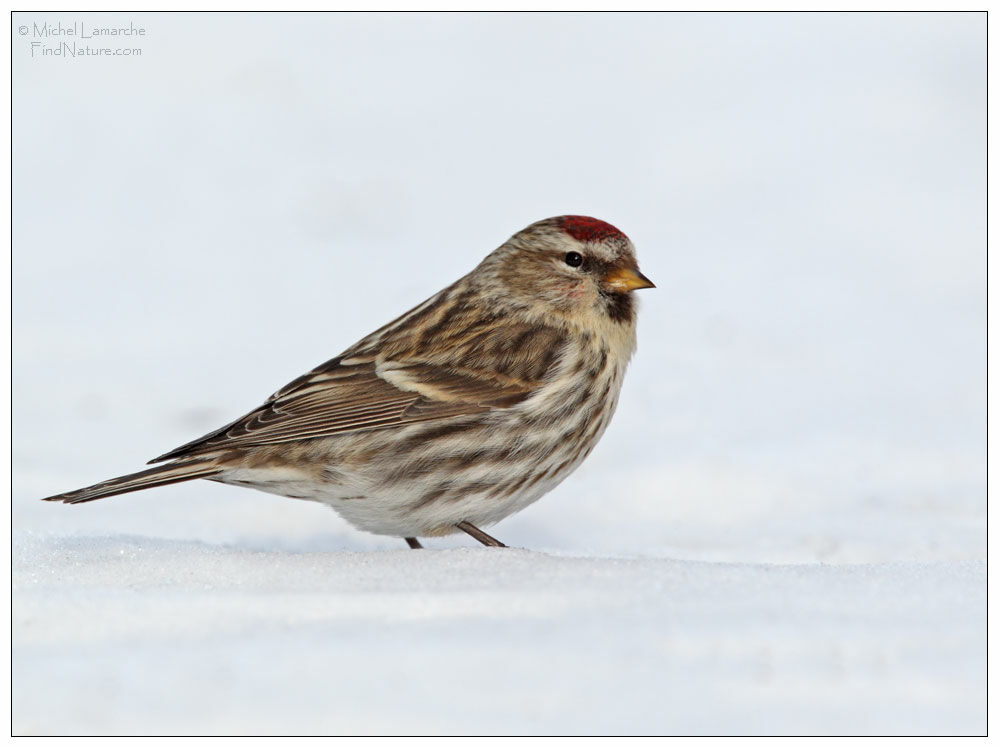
[{"x": 355, "y": 393}]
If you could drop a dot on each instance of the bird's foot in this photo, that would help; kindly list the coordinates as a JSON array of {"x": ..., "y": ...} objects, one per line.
[{"x": 482, "y": 537}]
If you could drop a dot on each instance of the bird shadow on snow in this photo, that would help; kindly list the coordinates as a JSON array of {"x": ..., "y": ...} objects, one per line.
[
  {"x": 141, "y": 561},
  {"x": 36, "y": 552},
  {"x": 510, "y": 577}
]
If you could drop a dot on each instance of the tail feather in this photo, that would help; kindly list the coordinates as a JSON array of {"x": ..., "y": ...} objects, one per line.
[{"x": 161, "y": 475}]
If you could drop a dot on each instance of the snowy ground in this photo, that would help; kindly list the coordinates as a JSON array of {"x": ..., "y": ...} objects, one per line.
[
  {"x": 783, "y": 530},
  {"x": 140, "y": 634}
]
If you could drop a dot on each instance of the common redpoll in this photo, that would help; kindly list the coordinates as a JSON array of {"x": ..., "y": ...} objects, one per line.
[{"x": 459, "y": 413}]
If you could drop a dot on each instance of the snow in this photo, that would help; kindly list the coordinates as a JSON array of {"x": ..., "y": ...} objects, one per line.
[
  {"x": 783, "y": 531},
  {"x": 240, "y": 640}
]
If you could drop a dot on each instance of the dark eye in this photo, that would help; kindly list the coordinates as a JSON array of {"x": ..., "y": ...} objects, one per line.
[{"x": 573, "y": 259}]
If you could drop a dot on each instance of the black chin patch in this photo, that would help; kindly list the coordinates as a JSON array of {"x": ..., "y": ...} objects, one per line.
[{"x": 620, "y": 306}]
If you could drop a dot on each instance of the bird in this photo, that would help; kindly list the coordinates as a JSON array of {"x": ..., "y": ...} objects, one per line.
[{"x": 462, "y": 411}]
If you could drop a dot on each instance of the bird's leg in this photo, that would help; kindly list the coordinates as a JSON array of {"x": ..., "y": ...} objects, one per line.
[
  {"x": 482, "y": 537},
  {"x": 413, "y": 543}
]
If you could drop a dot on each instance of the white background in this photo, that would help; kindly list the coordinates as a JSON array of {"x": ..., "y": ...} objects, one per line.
[{"x": 782, "y": 531}]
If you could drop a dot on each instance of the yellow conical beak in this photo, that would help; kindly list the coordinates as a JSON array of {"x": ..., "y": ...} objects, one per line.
[{"x": 627, "y": 279}]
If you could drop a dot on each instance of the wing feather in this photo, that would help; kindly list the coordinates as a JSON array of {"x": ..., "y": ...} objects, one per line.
[{"x": 361, "y": 392}]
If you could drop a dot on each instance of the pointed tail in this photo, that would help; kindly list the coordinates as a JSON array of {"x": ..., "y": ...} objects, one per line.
[{"x": 161, "y": 475}]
